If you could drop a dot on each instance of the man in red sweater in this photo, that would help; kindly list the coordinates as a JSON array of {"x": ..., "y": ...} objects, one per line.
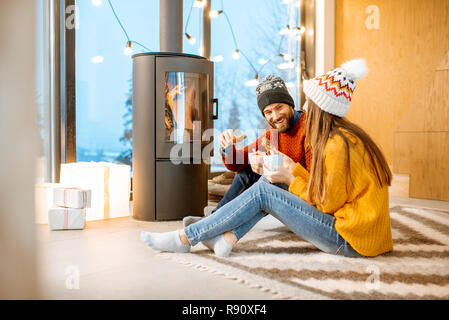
[{"x": 286, "y": 134}]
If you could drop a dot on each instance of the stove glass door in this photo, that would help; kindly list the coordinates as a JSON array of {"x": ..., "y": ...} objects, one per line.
[
  {"x": 183, "y": 108},
  {"x": 184, "y": 97}
]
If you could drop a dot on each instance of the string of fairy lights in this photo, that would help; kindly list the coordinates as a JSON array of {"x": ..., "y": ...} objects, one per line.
[{"x": 287, "y": 61}]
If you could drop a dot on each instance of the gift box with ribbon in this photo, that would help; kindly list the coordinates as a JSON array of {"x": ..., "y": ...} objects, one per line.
[
  {"x": 66, "y": 218},
  {"x": 74, "y": 197},
  {"x": 110, "y": 185}
]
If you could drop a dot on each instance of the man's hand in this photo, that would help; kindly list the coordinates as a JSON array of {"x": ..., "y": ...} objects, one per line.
[
  {"x": 256, "y": 161},
  {"x": 227, "y": 138}
]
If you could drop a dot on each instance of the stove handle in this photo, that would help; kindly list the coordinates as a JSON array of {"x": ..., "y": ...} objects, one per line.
[{"x": 215, "y": 102}]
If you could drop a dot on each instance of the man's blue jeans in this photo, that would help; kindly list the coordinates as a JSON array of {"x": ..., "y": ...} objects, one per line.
[
  {"x": 243, "y": 179},
  {"x": 262, "y": 198}
]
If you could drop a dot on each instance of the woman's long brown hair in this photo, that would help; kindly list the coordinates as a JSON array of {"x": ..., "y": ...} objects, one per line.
[{"x": 320, "y": 126}]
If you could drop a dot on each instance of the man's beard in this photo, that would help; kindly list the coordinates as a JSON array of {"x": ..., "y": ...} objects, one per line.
[{"x": 288, "y": 123}]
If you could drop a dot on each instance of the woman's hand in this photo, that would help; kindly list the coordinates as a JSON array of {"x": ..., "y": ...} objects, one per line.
[
  {"x": 281, "y": 174},
  {"x": 287, "y": 162}
]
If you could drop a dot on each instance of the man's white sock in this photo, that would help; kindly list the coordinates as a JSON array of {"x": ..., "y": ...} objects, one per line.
[
  {"x": 219, "y": 245},
  {"x": 187, "y": 221},
  {"x": 165, "y": 241}
]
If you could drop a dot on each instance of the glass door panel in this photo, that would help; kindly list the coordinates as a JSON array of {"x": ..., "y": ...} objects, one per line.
[
  {"x": 183, "y": 91},
  {"x": 184, "y": 100}
]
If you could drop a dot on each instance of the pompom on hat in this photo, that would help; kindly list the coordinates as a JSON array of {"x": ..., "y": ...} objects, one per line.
[{"x": 333, "y": 91}]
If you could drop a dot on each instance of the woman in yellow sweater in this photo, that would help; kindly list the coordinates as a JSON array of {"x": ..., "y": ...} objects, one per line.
[{"x": 340, "y": 206}]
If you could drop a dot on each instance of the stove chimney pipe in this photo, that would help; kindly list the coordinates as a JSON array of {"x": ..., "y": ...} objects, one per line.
[{"x": 171, "y": 25}]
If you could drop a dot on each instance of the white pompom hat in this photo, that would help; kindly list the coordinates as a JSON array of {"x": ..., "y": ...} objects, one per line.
[{"x": 332, "y": 91}]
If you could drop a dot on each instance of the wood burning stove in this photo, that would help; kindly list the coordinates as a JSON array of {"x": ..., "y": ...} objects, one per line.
[{"x": 172, "y": 108}]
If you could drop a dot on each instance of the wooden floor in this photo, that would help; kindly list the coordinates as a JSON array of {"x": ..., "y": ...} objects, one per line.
[
  {"x": 107, "y": 260},
  {"x": 112, "y": 263}
]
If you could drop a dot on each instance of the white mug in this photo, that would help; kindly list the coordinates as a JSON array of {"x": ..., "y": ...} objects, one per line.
[{"x": 273, "y": 161}]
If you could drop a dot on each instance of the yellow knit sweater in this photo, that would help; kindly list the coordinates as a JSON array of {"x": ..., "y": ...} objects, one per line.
[{"x": 361, "y": 215}]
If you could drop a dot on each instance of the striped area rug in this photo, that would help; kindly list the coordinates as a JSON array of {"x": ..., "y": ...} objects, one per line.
[{"x": 278, "y": 261}]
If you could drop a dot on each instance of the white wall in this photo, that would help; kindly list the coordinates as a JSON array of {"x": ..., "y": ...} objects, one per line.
[
  {"x": 18, "y": 145},
  {"x": 324, "y": 36}
]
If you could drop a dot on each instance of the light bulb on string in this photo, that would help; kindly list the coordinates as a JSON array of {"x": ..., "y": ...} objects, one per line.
[
  {"x": 299, "y": 31},
  {"x": 199, "y": 3},
  {"x": 262, "y": 61},
  {"x": 128, "y": 49},
  {"x": 215, "y": 13},
  {"x": 236, "y": 54},
  {"x": 191, "y": 39},
  {"x": 286, "y": 30},
  {"x": 287, "y": 57},
  {"x": 217, "y": 59},
  {"x": 252, "y": 82},
  {"x": 96, "y": 3}
]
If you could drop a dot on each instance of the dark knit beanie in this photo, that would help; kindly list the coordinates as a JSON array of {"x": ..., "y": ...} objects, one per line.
[{"x": 272, "y": 89}]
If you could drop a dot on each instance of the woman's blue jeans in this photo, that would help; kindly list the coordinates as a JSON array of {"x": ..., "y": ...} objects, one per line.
[{"x": 262, "y": 198}]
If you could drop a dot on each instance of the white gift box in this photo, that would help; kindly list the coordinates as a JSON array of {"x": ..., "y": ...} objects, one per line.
[
  {"x": 109, "y": 183},
  {"x": 66, "y": 218},
  {"x": 43, "y": 195},
  {"x": 72, "y": 198}
]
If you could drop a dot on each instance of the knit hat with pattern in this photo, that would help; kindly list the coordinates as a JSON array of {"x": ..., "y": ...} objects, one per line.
[
  {"x": 272, "y": 89},
  {"x": 333, "y": 91}
]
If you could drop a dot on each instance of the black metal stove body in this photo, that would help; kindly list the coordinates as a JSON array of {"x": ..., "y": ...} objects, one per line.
[{"x": 172, "y": 109}]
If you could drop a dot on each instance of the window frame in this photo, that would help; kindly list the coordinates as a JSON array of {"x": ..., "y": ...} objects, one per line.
[{"x": 68, "y": 85}]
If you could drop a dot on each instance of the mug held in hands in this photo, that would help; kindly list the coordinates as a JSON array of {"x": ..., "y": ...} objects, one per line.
[{"x": 273, "y": 161}]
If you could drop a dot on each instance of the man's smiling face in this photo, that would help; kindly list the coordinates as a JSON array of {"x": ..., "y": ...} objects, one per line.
[{"x": 280, "y": 116}]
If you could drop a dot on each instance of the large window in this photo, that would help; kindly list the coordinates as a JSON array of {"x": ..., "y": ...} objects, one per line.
[
  {"x": 104, "y": 74},
  {"x": 259, "y": 31},
  {"x": 104, "y": 71}
]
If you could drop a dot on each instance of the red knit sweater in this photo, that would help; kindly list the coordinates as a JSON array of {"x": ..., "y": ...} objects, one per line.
[{"x": 290, "y": 143}]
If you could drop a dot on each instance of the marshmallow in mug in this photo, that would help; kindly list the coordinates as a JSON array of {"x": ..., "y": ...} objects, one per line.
[{"x": 273, "y": 161}]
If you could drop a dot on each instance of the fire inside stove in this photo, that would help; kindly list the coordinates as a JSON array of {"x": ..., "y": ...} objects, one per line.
[{"x": 182, "y": 105}]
